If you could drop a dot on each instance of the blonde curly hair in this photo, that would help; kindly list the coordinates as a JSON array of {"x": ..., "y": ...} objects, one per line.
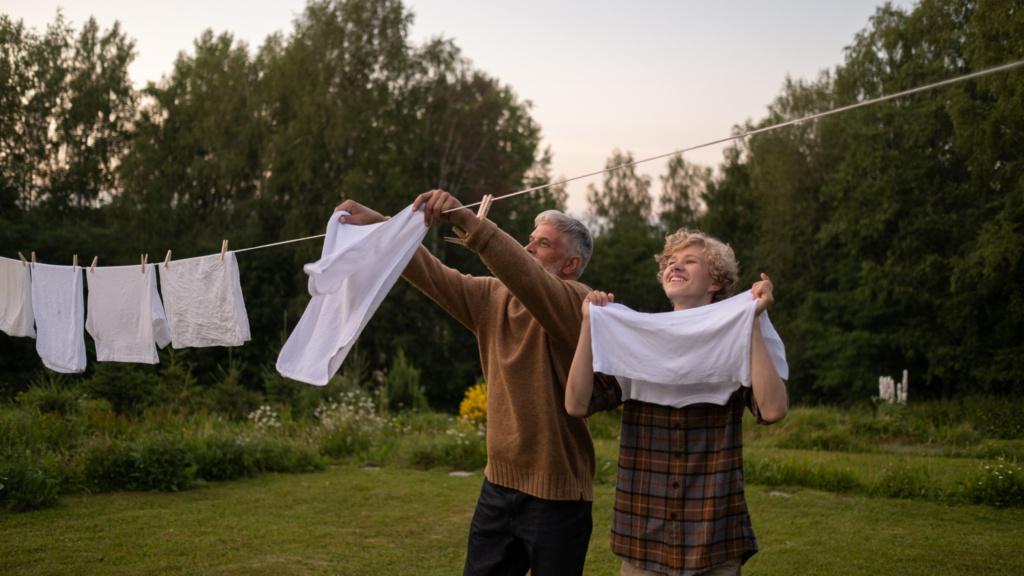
[{"x": 719, "y": 258}]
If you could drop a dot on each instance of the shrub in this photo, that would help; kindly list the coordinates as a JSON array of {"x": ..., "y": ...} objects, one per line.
[
  {"x": 220, "y": 458},
  {"x": 1000, "y": 484},
  {"x": 161, "y": 462},
  {"x": 348, "y": 426},
  {"x": 456, "y": 449},
  {"x": 27, "y": 484},
  {"x": 402, "y": 389},
  {"x": 50, "y": 395}
]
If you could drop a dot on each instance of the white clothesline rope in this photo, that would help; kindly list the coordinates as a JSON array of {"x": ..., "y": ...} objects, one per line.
[
  {"x": 279, "y": 243},
  {"x": 932, "y": 86}
]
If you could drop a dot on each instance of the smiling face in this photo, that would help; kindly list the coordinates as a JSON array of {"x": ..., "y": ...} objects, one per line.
[{"x": 686, "y": 279}]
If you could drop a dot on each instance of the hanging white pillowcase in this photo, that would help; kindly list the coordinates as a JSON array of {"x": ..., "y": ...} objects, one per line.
[
  {"x": 16, "y": 316},
  {"x": 59, "y": 309},
  {"x": 126, "y": 317},
  {"x": 203, "y": 301}
]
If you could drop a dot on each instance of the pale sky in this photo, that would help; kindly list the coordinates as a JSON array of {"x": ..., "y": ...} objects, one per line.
[{"x": 648, "y": 76}]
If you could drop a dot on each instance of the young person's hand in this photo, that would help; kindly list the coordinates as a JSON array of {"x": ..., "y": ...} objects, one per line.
[
  {"x": 598, "y": 298},
  {"x": 762, "y": 292}
]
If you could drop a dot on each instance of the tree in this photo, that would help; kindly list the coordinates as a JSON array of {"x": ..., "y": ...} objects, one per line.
[{"x": 682, "y": 189}]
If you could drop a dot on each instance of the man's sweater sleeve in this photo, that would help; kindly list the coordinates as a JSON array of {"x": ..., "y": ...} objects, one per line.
[
  {"x": 459, "y": 294},
  {"x": 554, "y": 302}
]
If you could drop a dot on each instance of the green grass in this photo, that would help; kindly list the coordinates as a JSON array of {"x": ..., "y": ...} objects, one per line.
[{"x": 349, "y": 520}]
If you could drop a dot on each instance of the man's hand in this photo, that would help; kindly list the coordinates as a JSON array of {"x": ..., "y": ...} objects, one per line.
[
  {"x": 440, "y": 206},
  {"x": 762, "y": 292},
  {"x": 358, "y": 214},
  {"x": 597, "y": 298}
]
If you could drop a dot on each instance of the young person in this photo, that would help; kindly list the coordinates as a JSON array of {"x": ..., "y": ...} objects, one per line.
[{"x": 679, "y": 502}]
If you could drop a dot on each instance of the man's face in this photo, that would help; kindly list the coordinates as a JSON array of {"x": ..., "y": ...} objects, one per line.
[
  {"x": 686, "y": 279},
  {"x": 547, "y": 246}
]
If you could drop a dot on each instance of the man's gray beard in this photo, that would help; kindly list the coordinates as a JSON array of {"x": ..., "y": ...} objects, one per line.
[{"x": 556, "y": 269}]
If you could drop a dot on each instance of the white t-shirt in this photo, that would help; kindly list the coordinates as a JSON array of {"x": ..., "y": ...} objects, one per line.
[
  {"x": 699, "y": 355},
  {"x": 358, "y": 267}
]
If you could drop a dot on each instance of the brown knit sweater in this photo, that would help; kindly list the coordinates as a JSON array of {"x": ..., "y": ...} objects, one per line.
[{"x": 527, "y": 322}]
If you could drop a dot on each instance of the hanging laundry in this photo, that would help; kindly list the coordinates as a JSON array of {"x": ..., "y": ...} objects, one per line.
[
  {"x": 16, "y": 317},
  {"x": 59, "y": 308},
  {"x": 126, "y": 317},
  {"x": 693, "y": 356},
  {"x": 357, "y": 268},
  {"x": 203, "y": 302}
]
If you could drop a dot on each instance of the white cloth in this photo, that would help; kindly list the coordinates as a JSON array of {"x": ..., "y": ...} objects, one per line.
[
  {"x": 699, "y": 355},
  {"x": 16, "y": 318},
  {"x": 358, "y": 267},
  {"x": 203, "y": 301},
  {"x": 126, "y": 318},
  {"x": 59, "y": 307}
]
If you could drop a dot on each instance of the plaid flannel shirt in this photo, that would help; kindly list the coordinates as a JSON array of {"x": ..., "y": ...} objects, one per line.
[{"x": 679, "y": 504}]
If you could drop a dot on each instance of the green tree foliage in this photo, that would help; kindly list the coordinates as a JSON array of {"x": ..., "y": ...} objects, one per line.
[
  {"x": 681, "y": 191},
  {"x": 892, "y": 232},
  {"x": 626, "y": 239},
  {"x": 258, "y": 147}
]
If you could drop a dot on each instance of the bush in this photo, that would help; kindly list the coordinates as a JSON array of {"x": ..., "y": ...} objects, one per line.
[
  {"x": 402, "y": 389},
  {"x": 348, "y": 426},
  {"x": 161, "y": 463},
  {"x": 220, "y": 458},
  {"x": 998, "y": 484},
  {"x": 28, "y": 485}
]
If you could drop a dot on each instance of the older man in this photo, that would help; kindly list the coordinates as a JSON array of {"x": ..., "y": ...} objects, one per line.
[{"x": 534, "y": 510}]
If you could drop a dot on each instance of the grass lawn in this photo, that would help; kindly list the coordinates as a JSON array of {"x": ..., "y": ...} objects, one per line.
[{"x": 389, "y": 521}]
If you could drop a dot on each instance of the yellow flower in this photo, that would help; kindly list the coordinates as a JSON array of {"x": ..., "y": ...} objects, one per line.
[{"x": 474, "y": 405}]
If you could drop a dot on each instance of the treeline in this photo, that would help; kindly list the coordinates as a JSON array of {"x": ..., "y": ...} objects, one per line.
[
  {"x": 257, "y": 146},
  {"x": 892, "y": 232}
]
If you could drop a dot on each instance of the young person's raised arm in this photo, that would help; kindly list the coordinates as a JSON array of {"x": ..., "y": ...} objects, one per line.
[
  {"x": 769, "y": 389},
  {"x": 579, "y": 386}
]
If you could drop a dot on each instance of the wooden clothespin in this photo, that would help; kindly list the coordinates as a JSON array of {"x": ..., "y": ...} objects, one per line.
[
  {"x": 33, "y": 259},
  {"x": 23, "y": 261},
  {"x": 481, "y": 212},
  {"x": 485, "y": 206},
  {"x": 223, "y": 250},
  {"x": 74, "y": 261},
  {"x": 92, "y": 267},
  {"x": 167, "y": 260},
  {"x": 142, "y": 262}
]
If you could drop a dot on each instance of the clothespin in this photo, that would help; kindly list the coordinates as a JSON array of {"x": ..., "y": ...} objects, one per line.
[
  {"x": 223, "y": 250},
  {"x": 74, "y": 261},
  {"x": 168, "y": 259},
  {"x": 33, "y": 259},
  {"x": 485, "y": 206},
  {"x": 95, "y": 259},
  {"x": 481, "y": 212},
  {"x": 142, "y": 262},
  {"x": 23, "y": 261}
]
